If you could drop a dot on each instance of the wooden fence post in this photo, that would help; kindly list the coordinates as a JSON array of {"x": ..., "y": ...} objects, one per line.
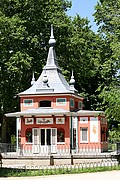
[
  {"x": 1, "y": 160},
  {"x": 51, "y": 161},
  {"x": 72, "y": 163},
  {"x": 118, "y": 158}
]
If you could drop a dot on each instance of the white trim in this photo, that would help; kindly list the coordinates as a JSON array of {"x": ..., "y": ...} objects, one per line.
[
  {"x": 83, "y": 120},
  {"x": 60, "y": 143},
  {"x": 79, "y": 113},
  {"x": 51, "y": 94}
]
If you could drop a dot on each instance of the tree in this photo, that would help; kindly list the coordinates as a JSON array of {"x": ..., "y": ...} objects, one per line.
[
  {"x": 24, "y": 35},
  {"x": 83, "y": 54},
  {"x": 107, "y": 16}
]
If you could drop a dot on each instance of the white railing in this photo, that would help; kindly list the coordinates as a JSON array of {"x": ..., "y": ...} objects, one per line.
[{"x": 62, "y": 150}]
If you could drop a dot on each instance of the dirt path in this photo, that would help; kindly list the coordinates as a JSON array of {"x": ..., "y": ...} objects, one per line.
[{"x": 111, "y": 175}]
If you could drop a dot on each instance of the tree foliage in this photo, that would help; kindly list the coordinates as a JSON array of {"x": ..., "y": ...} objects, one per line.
[
  {"x": 107, "y": 16},
  {"x": 24, "y": 36}
]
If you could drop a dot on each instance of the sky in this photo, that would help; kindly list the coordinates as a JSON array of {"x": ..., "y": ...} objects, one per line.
[{"x": 85, "y": 8}]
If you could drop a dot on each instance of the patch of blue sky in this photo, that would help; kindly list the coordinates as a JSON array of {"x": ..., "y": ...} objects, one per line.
[{"x": 85, "y": 8}]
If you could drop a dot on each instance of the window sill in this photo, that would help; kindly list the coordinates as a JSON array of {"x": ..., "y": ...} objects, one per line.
[
  {"x": 29, "y": 143},
  {"x": 60, "y": 143}
]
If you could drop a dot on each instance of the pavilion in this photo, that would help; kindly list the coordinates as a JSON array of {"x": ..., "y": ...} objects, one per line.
[{"x": 52, "y": 119}]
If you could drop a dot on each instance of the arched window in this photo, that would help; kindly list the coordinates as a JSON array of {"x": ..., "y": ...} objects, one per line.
[
  {"x": 60, "y": 135},
  {"x": 45, "y": 103},
  {"x": 28, "y": 135}
]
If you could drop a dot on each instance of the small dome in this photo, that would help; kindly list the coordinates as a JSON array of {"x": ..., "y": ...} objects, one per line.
[
  {"x": 52, "y": 41},
  {"x": 45, "y": 79},
  {"x": 72, "y": 81}
]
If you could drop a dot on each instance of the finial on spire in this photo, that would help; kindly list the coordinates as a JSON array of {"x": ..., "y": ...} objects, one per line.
[
  {"x": 72, "y": 80},
  {"x": 33, "y": 79},
  {"x": 72, "y": 83},
  {"x": 52, "y": 36},
  {"x": 52, "y": 40}
]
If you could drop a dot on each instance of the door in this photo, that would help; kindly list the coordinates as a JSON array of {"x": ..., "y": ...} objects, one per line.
[
  {"x": 53, "y": 140},
  {"x": 36, "y": 140},
  {"x": 44, "y": 140}
]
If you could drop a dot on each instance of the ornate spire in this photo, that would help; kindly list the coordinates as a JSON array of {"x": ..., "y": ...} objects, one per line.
[
  {"x": 51, "y": 59},
  {"x": 72, "y": 83},
  {"x": 33, "y": 79}
]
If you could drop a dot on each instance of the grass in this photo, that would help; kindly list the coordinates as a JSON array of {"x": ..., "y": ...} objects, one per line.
[{"x": 9, "y": 172}]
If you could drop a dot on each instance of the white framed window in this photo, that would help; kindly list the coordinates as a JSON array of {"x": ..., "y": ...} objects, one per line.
[
  {"x": 61, "y": 102},
  {"x": 29, "y": 120},
  {"x": 84, "y": 135},
  {"x": 71, "y": 102},
  {"x": 28, "y": 102},
  {"x": 80, "y": 104},
  {"x": 28, "y": 135},
  {"x": 60, "y": 136},
  {"x": 83, "y": 120}
]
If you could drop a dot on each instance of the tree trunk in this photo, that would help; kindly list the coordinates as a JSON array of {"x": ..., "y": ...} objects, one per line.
[{"x": 4, "y": 130}]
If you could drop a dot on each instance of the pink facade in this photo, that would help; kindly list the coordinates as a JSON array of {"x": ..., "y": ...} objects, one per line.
[
  {"x": 72, "y": 131},
  {"x": 53, "y": 98}
]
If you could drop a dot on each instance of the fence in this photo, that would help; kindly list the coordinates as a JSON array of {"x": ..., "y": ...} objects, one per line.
[
  {"x": 106, "y": 164},
  {"x": 6, "y": 147},
  {"x": 57, "y": 164},
  {"x": 38, "y": 150}
]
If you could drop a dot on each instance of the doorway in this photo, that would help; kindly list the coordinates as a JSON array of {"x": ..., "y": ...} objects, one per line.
[{"x": 44, "y": 140}]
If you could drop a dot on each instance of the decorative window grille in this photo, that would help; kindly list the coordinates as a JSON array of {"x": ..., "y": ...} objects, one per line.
[
  {"x": 28, "y": 102},
  {"x": 80, "y": 105},
  {"x": 60, "y": 135},
  {"x": 61, "y": 102},
  {"x": 71, "y": 102},
  {"x": 84, "y": 134}
]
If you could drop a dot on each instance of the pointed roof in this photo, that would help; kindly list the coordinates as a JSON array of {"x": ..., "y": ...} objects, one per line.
[
  {"x": 51, "y": 79},
  {"x": 51, "y": 59}
]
